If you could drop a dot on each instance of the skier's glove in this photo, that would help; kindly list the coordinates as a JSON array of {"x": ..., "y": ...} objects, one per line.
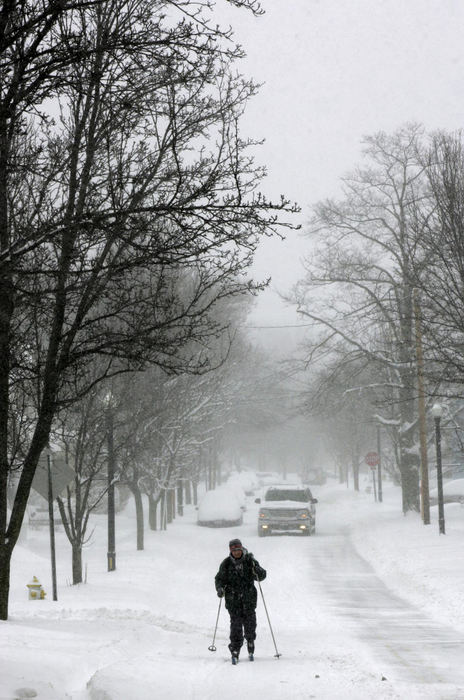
[{"x": 220, "y": 592}]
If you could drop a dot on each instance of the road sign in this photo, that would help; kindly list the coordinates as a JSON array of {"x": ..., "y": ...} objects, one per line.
[
  {"x": 372, "y": 459},
  {"x": 62, "y": 475}
]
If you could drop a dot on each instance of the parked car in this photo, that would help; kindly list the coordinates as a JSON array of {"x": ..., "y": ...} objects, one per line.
[
  {"x": 220, "y": 508},
  {"x": 287, "y": 508},
  {"x": 238, "y": 490},
  {"x": 453, "y": 492}
]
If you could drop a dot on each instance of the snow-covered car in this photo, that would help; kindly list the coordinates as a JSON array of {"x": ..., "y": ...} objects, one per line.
[
  {"x": 238, "y": 492},
  {"x": 220, "y": 508},
  {"x": 453, "y": 492},
  {"x": 246, "y": 480},
  {"x": 288, "y": 508}
]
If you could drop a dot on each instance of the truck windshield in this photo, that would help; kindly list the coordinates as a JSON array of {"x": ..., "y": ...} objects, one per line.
[{"x": 287, "y": 495}]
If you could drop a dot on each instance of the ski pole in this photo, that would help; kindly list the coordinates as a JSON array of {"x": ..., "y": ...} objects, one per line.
[
  {"x": 277, "y": 655},
  {"x": 212, "y": 647}
]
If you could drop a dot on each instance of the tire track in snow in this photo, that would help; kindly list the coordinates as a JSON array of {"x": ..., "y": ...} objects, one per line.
[{"x": 410, "y": 645}]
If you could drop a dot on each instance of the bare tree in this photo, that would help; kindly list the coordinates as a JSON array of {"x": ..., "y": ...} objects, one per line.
[
  {"x": 442, "y": 240},
  {"x": 142, "y": 179},
  {"x": 360, "y": 280},
  {"x": 349, "y": 402},
  {"x": 83, "y": 436}
]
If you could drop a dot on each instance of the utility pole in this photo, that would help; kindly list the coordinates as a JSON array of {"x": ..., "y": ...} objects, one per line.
[
  {"x": 425, "y": 500},
  {"x": 379, "y": 465},
  {"x": 52, "y": 525},
  {"x": 373, "y": 470},
  {"x": 111, "y": 555}
]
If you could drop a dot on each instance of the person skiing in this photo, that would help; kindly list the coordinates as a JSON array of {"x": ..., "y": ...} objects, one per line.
[{"x": 235, "y": 580}]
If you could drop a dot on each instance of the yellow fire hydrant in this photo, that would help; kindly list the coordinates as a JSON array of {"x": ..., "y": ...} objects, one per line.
[{"x": 36, "y": 592}]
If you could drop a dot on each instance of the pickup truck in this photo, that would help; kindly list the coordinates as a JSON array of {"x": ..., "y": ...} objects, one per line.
[{"x": 287, "y": 508}]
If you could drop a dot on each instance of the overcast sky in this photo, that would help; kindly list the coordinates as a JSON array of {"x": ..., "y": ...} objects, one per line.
[{"x": 335, "y": 70}]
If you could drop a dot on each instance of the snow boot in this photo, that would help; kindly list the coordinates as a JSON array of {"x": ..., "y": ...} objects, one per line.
[
  {"x": 251, "y": 651},
  {"x": 234, "y": 658}
]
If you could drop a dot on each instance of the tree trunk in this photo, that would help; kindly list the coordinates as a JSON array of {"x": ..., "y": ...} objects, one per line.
[
  {"x": 139, "y": 516},
  {"x": 355, "y": 468},
  {"x": 409, "y": 465},
  {"x": 168, "y": 508},
  {"x": 188, "y": 492},
  {"x": 77, "y": 563},
  {"x": 180, "y": 498},
  {"x": 136, "y": 492},
  {"x": 5, "y": 559},
  {"x": 195, "y": 493},
  {"x": 171, "y": 505},
  {"x": 6, "y": 312},
  {"x": 409, "y": 450},
  {"x": 164, "y": 511},
  {"x": 152, "y": 512},
  {"x": 410, "y": 482},
  {"x": 213, "y": 464}
]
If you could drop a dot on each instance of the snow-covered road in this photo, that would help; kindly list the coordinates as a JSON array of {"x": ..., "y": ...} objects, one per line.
[
  {"x": 407, "y": 644},
  {"x": 143, "y": 631}
]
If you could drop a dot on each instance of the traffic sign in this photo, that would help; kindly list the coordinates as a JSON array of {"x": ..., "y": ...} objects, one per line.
[{"x": 372, "y": 459}]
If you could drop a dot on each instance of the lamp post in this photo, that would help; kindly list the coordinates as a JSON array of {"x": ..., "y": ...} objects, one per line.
[
  {"x": 437, "y": 411},
  {"x": 111, "y": 555}
]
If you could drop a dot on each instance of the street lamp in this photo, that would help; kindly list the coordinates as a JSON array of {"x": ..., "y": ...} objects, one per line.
[
  {"x": 437, "y": 412},
  {"x": 111, "y": 555}
]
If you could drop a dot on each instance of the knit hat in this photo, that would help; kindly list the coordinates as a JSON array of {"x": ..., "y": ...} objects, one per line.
[{"x": 235, "y": 544}]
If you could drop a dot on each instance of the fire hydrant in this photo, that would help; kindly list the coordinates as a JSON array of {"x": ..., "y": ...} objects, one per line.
[{"x": 36, "y": 592}]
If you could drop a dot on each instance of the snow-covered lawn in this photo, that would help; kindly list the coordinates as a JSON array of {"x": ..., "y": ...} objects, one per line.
[{"x": 143, "y": 631}]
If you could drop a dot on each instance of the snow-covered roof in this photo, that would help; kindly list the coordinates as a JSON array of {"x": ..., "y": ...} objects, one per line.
[
  {"x": 287, "y": 485},
  {"x": 284, "y": 505}
]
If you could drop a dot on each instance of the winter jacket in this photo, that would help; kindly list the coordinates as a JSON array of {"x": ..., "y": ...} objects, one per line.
[{"x": 237, "y": 580}]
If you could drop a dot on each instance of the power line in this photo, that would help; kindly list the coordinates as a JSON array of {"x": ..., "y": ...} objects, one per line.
[{"x": 301, "y": 325}]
